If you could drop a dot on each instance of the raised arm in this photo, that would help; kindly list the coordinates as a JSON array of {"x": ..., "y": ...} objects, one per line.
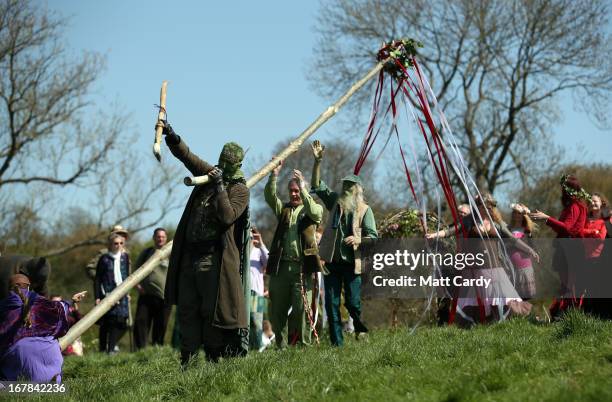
[
  {"x": 181, "y": 151},
  {"x": 328, "y": 197},
  {"x": 317, "y": 151},
  {"x": 270, "y": 192},
  {"x": 568, "y": 227}
]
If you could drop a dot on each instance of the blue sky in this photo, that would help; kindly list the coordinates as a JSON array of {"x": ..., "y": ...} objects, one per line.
[{"x": 236, "y": 72}]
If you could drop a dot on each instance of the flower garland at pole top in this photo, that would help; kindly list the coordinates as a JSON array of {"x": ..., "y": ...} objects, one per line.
[{"x": 411, "y": 89}]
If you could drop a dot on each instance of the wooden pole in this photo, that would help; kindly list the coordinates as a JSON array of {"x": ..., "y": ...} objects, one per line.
[
  {"x": 310, "y": 130},
  {"x": 112, "y": 298},
  {"x": 158, "y": 126}
]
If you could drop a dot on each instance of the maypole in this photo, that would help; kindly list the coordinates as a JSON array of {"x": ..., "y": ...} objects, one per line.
[
  {"x": 142, "y": 272},
  {"x": 408, "y": 87}
]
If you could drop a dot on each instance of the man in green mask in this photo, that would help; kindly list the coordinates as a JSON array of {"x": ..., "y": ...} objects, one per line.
[{"x": 206, "y": 275}]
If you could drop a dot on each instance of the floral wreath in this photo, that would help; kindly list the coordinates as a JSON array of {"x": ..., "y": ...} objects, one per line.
[
  {"x": 576, "y": 194},
  {"x": 402, "y": 51}
]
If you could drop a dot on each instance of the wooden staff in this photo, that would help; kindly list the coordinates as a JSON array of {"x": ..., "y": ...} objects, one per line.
[
  {"x": 109, "y": 301},
  {"x": 161, "y": 116}
]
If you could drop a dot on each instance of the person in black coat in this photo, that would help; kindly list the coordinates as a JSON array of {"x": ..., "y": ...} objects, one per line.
[{"x": 113, "y": 268}]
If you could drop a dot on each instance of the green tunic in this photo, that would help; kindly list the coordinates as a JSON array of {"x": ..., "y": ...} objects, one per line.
[{"x": 291, "y": 242}]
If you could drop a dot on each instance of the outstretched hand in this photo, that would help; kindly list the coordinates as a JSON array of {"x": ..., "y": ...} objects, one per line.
[
  {"x": 77, "y": 297},
  {"x": 299, "y": 177},
  {"x": 278, "y": 168},
  {"x": 317, "y": 150},
  {"x": 538, "y": 215}
]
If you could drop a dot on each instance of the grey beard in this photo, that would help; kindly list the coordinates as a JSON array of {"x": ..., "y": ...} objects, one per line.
[{"x": 347, "y": 201}]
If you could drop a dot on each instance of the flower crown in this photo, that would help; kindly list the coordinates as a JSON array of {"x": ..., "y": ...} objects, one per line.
[{"x": 576, "y": 194}]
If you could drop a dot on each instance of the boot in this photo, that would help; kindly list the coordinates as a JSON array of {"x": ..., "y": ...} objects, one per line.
[
  {"x": 186, "y": 358},
  {"x": 212, "y": 354}
]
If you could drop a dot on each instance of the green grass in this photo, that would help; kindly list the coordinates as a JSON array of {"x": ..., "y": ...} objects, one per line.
[{"x": 515, "y": 360}]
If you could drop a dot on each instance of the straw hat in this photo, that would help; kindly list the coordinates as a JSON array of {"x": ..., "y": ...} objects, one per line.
[{"x": 120, "y": 230}]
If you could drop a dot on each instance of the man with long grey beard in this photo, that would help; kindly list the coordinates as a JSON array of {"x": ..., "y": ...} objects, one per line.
[{"x": 350, "y": 220}]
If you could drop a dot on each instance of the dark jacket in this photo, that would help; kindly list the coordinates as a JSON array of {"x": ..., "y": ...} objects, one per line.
[
  {"x": 231, "y": 206},
  {"x": 308, "y": 242},
  {"x": 104, "y": 282}
]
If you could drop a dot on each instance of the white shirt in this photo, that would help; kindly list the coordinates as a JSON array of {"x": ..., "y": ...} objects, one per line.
[{"x": 259, "y": 259}]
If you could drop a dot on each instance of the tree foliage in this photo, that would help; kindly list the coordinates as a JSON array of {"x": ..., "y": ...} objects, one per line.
[
  {"x": 42, "y": 96},
  {"x": 56, "y": 144},
  {"x": 498, "y": 68}
]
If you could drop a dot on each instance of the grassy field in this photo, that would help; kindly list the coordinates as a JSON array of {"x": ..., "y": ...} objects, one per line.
[{"x": 516, "y": 360}]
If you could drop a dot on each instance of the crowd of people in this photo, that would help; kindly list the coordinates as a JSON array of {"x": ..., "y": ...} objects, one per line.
[
  {"x": 234, "y": 294},
  {"x": 31, "y": 320}
]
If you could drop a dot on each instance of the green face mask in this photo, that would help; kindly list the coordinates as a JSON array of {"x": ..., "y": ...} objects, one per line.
[
  {"x": 230, "y": 161},
  {"x": 230, "y": 170}
]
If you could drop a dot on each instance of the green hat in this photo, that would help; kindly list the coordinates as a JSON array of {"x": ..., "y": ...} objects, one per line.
[
  {"x": 353, "y": 178},
  {"x": 232, "y": 153}
]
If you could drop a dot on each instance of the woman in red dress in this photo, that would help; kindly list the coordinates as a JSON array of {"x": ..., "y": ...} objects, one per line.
[{"x": 568, "y": 257}]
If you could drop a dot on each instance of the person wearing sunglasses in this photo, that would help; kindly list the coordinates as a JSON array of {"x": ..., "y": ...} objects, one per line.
[
  {"x": 90, "y": 268},
  {"x": 112, "y": 269}
]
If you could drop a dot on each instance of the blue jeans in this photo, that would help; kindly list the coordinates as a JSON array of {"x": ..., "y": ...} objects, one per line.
[{"x": 342, "y": 275}]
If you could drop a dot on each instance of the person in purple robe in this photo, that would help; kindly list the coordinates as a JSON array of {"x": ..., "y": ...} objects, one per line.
[{"x": 29, "y": 327}]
